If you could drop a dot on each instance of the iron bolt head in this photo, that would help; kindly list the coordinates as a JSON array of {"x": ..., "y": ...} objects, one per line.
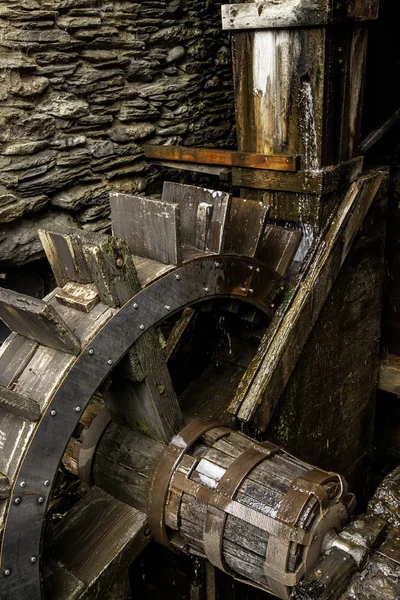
[
  {"x": 40, "y": 500},
  {"x": 119, "y": 262},
  {"x": 135, "y": 305},
  {"x": 141, "y": 326},
  {"x": 17, "y": 500},
  {"x": 53, "y": 412},
  {"x": 46, "y": 483},
  {"x": 22, "y": 484},
  {"x": 109, "y": 362},
  {"x": 7, "y": 572},
  {"x": 251, "y": 290},
  {"x": 91, "y": 351},
  {"x": 206, "y": 289},
  {"x": 78, "y": 409},
  {"x": 167, "y": 307},
  {"x": 217, "y": 264},
  {"x": 251, "y": 267},
  {"x": 258, "y": 269},
  {"x": 33, "y": 559},
  {"x": 177, "y": 277}
]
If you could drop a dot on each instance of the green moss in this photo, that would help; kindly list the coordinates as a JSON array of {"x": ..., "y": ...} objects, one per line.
[
  {"x": 144, "y": 428},
  {"x": 162, "y": 341}
]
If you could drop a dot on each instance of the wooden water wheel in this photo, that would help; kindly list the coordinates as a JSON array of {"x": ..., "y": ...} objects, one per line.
[{"x": 85, "y": 383}]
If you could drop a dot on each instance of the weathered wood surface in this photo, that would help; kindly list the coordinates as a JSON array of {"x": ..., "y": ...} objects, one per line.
[
  {"x": 19, "y": 405},
  {"x": 151, "y": 228},
  {"x": 295, "y": 13},
  {"x": 34, "y": 319},
  {"x": 389, "y": 374},
  {"x": 279, "y": 246},
  {"x": 86, "y": 566},
  {"x": 284, "y": 105},
  {"x": 373, "y": 138},
  {"x": 321, "y": 181},
  {"x": 217, "y": 170},
  {"x": 83, "y": 296},
  {"x": 274, "y": 162},
  {"x": 189, "y": 198},
  {"x": 276, "y": 358},
  {"x": 246, "y": 224}
]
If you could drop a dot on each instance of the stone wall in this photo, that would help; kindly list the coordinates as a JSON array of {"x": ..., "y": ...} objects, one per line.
[{"x": 82, "y": 84}]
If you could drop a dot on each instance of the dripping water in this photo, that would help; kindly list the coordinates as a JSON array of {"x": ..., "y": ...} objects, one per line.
[{"x": 308, "y": 128}]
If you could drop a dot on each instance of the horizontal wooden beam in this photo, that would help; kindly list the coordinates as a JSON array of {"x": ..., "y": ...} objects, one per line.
[
  {"x": 298, "y": 13},
  {"x": 319, "y": 181},
  {"x": 229, "y": 158},
  {"x": 389, "y": 374}
]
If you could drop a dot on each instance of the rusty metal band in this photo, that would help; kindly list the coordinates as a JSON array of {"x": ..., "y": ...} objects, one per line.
[
  {"x": 228, "y": 485},
  {"x": 165, "y": 469},
  {"x": 290, "y": 510}
]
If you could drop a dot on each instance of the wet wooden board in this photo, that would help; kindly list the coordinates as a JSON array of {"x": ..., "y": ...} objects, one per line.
[
  {"x": 277, "y": 359},
  {"x": 83, "y": 296},
  {"x": 34, "y": 319},
  {"x": 67, "y": 261},
  {"x": 229, "y": 158},
  {"x": 15, "y": 432},
  {"x": 189, "y": 198},
  {"x": 114, "y": 536},
  {"x": 389, "y": 374},
  {"x": 222, "y": 172},
  {"x": 310, "y": 182},
  {"x": 301, "y": 13},
  {"x": 149, "y": 270},
  {"x": 150, "y": 227},
  {"x": 279, "y": 246},
  {"x": 245, "y": 226}
]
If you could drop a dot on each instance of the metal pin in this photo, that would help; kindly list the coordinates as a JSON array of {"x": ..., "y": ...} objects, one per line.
[
  {"x": 22, "y": 484},
  {"x": 78, "y": 409},
  {"x": 7, "y": 572},
  {"x": 135, "y": 305},
  {"x": 40, "y": 500},
  {"x": 91, "y": 351},
  {"x": 251, "y": 267},
  {"x": 177, "y": 277},
  {"x": 141, "y": 326},
  {"x": 109, "y": 362},
  {"x": 167, "y": 307},
  {"x": 53, "y": 412},
  {"x": 258, "y": 269},
  {"x": 17, "y": 500},
  {"x": 46, "y": 483},
  {"x": 33, "y": 559}
]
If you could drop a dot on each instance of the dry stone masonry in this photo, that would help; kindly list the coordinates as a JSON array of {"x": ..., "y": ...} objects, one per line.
[{"x": 83, "y": 83}]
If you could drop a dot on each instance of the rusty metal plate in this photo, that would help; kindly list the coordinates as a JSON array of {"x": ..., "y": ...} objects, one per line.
[{"x": 205, "y": 278}]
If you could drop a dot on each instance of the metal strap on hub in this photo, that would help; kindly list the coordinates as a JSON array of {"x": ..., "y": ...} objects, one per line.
[
  {"x": 292, "y": 506},
  {"x": 228, "y": 486},
  {"x": 159, "y": 487}
]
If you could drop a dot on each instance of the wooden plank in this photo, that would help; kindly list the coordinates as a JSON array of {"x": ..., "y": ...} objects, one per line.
[
  {"x": 19, "y": 405},
  {"x": 66, "y": 260},
  {"x": 320, "y": 181},
  {"x": 245, "y": 227},
  {"x": 181, "y": 326},
  {"x": 271, "y": 370},
  {"x": 372, "y": 138},
  {"x": 219, "y": 171},
  {"x": 189, "y": 198},
  {"x": 4, "y": 487},
  {"x": 389, "y": 374},
  {"x": 297, "y": 13},
  {"x": 15, "y": 433},
  {"x": 83, "y": 296},
  {"x": 229, "y": 158},
  {"x": 15, "y": 354},
  {"x": 150, "y": 227},
  {"x": 279, "y": 246},
  {"x": 36, "y": 320},
  {"x": 114, "y": 535}
]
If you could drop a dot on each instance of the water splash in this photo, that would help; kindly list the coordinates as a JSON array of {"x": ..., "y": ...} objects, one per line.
[{"x": 309, "y": 130}]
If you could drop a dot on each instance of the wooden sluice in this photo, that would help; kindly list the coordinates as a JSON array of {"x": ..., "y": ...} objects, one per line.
[{"x": 207, "y": 315}]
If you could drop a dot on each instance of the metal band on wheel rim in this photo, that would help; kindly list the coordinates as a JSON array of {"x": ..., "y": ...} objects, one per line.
[{"x": 205, "y": 278}]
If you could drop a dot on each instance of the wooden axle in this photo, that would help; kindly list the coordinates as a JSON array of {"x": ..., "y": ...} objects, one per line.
[{"x": 251, "y": 509}]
